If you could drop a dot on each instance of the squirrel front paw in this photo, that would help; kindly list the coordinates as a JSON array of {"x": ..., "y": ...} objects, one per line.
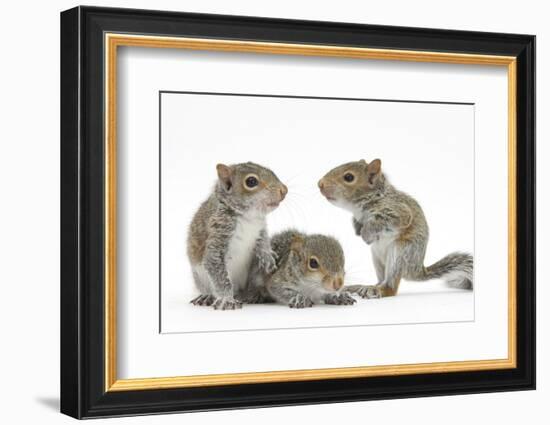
[
  {"x": 357, "y": 226},
  {"x": 369, "y": 237},
  {"x": 226, "y": 303},
  {"x": 300, "y": 301},
  {"x": 267, "y": 261},
  {"x": 346, "y": 299},
  {"x": 369, "y": 291},
  {"x": 343, "y": 298}
]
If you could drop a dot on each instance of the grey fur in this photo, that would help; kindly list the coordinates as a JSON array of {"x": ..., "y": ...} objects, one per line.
[
  {"x": 294, "y": 283},
  {"x": 230, "y": 209},
  {"x": 394, "y": 226}
]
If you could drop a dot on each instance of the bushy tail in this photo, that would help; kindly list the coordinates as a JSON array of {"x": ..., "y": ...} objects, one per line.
[{"x": 455, "y": 269}]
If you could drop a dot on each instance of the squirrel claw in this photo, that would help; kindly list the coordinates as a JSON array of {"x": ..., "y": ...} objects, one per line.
[
  {"x": 346, "y": 299},
  {"x": 226, "y": 303},
  {"x": 369, "y": 292},
  {"x": 203, "y": 300},
  {"x": 299, "y": 301}
]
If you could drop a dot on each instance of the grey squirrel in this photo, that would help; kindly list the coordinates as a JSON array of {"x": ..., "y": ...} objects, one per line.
[
  {"x": 310, "y": 270},
  {"x": 394, "y": 226},
  {"x": 229, "y": 231}
]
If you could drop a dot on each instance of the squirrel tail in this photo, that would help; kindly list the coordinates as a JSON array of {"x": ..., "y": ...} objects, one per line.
[{"x": 455, "y": 269}]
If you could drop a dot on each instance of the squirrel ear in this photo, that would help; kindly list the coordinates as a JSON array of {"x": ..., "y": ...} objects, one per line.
[
  {"x": 373, "y": 170},
  {"x": 297, "y": 243},
  {"x": 362, "y": 162},
  {"x": 224, "y": 175}
]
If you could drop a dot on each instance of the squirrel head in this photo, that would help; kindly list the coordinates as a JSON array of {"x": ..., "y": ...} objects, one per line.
[
  {"x": 352, "y": 182},
  {"x": 320, "y": 260},
  {"x": 249, "y": 186}
]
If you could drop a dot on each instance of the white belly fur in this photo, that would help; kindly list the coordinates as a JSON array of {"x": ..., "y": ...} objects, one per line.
[
  {"x": 241, "y": 248},
  {"x": 380, "y": 247}
]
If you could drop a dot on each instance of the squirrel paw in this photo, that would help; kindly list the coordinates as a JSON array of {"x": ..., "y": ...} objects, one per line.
[
  {"x": 226, "y": 303},
  {"x": 346, "y": 299},
  {"x": 268, "y": 261},
  {"x": 369, "y": 235},
  {"x": 205, "y": 300},
  {"x": 370, "y": 238},
  {"x": 343, "y": 298},
  {"x": 369, "y": 291},
  {"x": 299, "y": 301},
  {"x": 357, "y": 227}
]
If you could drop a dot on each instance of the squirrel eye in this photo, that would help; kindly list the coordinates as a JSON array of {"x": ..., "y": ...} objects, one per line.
[
  {"x": 348, "y": 177},
  {"x": 251, "y": 182},
  {"x": 313, "y": 263}
]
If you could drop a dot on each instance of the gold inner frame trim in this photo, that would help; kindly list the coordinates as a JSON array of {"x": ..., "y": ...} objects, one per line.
[{"x": 113, "y": 41}]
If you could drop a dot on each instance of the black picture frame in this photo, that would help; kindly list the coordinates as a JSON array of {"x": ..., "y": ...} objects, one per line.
[{"x": 83, "y": 392}]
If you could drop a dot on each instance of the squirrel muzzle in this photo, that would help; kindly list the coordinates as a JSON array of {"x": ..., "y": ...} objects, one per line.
[
  {"x": 333, "y": 283},
  {"x": 326, "y": 189},
  {"x": 283, "y": 191}
]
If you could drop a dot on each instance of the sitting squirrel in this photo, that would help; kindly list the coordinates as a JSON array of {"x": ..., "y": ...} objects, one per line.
[
  {"x": 229, "y": 230},
  {"x": 394, "y": 226},
  {"x": 310, "y": 270}
]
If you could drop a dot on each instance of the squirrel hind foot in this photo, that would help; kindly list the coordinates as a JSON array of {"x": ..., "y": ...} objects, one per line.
[
  {"x": 225, "y": 303},
  {"x": 365, "y": 291}
]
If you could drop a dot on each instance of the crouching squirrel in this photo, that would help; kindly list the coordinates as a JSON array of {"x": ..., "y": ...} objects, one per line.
[
  {"x": 229, "y": 230},
  {"x": 310, "y": 270},
  {"x": 394, "y": 226}
]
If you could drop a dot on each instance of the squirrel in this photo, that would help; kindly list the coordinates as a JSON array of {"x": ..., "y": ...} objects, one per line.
[
  {"x": 310, "y": 270},
  {"x": 394, "y": 226},
  {"x": 229, "y": 230}
]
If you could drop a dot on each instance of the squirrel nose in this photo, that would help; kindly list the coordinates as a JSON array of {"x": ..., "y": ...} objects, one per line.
[
  {"x": 283, "y": 191},
  {"x": 321, "y": 184}
]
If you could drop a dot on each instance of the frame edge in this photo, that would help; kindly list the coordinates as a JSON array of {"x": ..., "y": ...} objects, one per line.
[{"x": 70, "y": 348}]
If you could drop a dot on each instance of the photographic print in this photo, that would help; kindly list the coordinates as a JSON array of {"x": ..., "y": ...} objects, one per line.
[{"x": 352, "y": 212}]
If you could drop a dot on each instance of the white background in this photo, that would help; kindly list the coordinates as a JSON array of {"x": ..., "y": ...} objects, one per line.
[
  {"x": 30, "y": 244},
  {"x": 422, "y": 137},
  {"x": 427, "y": 150}
]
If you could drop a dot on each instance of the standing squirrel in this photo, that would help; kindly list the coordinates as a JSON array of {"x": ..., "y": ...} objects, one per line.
[
  {"x": 229, "y": 230},
  {"x": 310, "y": 270},
  {"x": 394, "y": 226}
]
